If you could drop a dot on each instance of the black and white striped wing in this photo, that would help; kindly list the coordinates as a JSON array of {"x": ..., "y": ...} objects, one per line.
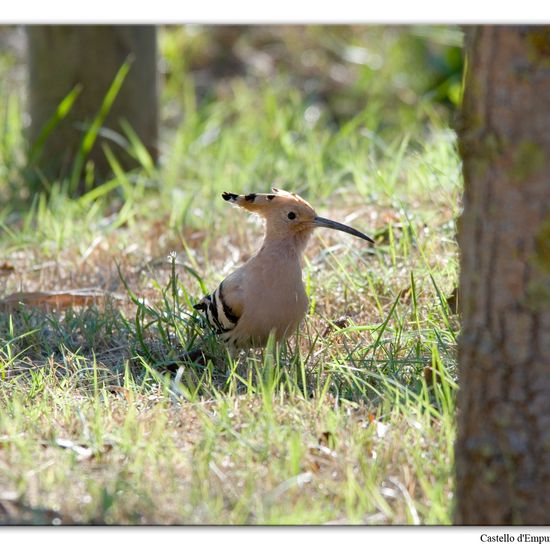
[{"x": 221, "y": 316}]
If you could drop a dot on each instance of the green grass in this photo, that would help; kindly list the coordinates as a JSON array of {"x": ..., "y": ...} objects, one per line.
[{"x": 103, "y": 420}]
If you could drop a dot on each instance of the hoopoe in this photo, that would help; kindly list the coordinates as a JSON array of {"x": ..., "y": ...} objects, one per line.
[{"x": 267, "y": 293}]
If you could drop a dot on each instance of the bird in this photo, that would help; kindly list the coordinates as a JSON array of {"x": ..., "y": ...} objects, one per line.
[{"x": 266, "y": 295}]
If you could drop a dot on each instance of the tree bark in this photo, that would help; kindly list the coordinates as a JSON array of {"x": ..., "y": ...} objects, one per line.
[
  {"x": 59, "y": 58},
  {"x": 503, "y": 444}
]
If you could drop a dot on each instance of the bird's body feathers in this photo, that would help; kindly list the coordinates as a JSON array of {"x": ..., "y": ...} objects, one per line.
[{"x": 266, "y": 295}]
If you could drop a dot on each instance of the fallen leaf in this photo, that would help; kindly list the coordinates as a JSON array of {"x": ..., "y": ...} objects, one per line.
[
  {"x": 6, "y": 268},
  {"x": 121, "y": 391},
  {"x": 432, "y": 376},
  {"x": 83, "y": 452},
  {"x": 58, "y": 299},
  {"x": 319, "y": 457},
  {"x": 327, "y": 439},
  {"x": 452, "y": 300},
  {"x": 405, "y": 294},
  {"x": 341, "y": 322}
]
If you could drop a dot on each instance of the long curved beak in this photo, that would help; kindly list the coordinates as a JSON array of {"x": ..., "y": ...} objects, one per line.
[{"x": 324, "y": 222}]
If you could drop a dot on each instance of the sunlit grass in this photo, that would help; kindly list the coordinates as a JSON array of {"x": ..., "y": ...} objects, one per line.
[{"x": 103, "y": 419}]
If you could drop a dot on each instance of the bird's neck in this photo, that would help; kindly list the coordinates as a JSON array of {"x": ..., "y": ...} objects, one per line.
[{"x": 286, "y": 245}]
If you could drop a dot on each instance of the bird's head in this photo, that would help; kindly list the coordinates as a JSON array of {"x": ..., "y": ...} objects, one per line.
[{"x": 287, "y": 215}]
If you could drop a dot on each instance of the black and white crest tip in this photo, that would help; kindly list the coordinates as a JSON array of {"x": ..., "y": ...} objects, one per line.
[
  {"x": 229, "y": 196},
  {"x": 220, "y": 316}
]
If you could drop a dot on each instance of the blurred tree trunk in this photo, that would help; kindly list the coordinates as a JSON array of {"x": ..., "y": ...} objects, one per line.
[
  {"x": 59, "y": 58},
  {"x": 503, "y": 445}
]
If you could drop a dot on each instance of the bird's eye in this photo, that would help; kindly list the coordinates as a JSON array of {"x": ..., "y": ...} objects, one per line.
[{"x": 291, "y": 215}]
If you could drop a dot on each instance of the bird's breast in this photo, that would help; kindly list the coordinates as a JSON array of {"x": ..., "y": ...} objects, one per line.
[{"x": 275, "y": 300}]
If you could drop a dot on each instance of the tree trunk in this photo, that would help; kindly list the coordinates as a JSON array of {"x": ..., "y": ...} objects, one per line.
[
  {"x": 59, "y": 58},
  {"x": 503, "y": 445}
]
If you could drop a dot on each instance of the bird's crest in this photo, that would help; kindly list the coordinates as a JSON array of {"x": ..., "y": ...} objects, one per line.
[{"x": 263, "y": 202}]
